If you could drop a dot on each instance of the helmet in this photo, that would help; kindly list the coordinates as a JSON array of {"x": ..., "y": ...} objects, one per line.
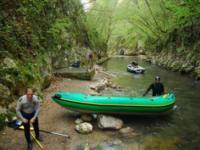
[{"x": 157, "y": 78}]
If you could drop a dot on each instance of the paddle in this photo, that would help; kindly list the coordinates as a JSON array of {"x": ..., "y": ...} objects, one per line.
[
  {"x": 39, "y": 144},
  {"x": 55, "y": 133},
  {"x": 15, "y": 124}
]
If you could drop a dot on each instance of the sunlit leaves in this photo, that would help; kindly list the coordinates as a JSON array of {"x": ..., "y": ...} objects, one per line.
[{"x": 142, "y": 20}]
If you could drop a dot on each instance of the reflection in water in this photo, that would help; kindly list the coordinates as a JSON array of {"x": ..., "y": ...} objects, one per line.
[{"x": 179, "y": 130}]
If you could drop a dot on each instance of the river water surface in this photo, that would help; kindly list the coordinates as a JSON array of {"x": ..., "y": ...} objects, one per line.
[{"x": 179, "y": 130}]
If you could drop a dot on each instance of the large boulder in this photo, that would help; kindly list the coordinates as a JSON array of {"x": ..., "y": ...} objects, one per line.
[
  {"x": 101, "y": 85},
  {"x": 46, "y": 80},
  {"x": 109, "y": 122}
]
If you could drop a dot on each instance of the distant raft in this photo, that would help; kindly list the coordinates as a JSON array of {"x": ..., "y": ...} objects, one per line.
[
  {"x": 135, "y": 69},
  {"x": 116, "y": 104}
]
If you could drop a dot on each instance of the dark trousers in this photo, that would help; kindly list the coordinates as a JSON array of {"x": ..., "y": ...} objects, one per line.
[{"x": 27, "y": 126}]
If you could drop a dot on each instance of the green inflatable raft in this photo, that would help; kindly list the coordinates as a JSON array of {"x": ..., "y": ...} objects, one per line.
[{"x": 115, "y": 104}]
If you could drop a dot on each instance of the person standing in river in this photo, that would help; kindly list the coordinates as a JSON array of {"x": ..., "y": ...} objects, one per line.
[
  {"x": 28, "y": 107},
  {"x": 157, "y": 87},
  {"x": 90, "y": 57}
]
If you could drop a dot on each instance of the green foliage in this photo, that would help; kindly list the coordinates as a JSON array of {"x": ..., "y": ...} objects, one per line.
[
  {"x": 100, "y": 24},
  {"x": 8, "y": 114},
  {"x": 31, "y": 26},
  {"x": 59, "y": 33},
  {"x": 151, "y": 22},
  {"x": 33, "y": 29}
]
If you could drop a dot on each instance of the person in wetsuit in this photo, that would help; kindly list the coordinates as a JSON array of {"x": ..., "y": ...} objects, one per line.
[{"x": 157, "y": 88}]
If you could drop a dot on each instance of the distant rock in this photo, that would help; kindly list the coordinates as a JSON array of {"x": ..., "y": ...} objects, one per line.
[{"x": 99, "y": 86}]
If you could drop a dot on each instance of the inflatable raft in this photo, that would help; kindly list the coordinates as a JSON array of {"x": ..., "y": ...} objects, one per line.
[
  {"x": 115, "y": 104},
  {"x": 135, "y": 69}
]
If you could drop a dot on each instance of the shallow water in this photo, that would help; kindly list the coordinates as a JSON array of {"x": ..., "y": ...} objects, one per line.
[{"x": 179, "y": 130}]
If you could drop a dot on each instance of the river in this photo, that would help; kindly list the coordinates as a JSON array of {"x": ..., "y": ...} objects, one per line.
[{"x": 179, "y": 130}]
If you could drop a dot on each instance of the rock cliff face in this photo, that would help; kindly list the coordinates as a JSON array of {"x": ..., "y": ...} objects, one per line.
[
  {"x": 184, "y": 63},
  {"x": 179, "y": 50},
  {"x": 33, "y": 34},
  {"x": 17, "y": 75}
]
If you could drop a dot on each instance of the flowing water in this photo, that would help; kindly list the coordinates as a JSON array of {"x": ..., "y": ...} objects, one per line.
[{"x": 179, "y": 130}]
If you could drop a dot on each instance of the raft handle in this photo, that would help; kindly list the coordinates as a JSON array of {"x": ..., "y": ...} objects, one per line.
[{"x": 56, "y": 96}]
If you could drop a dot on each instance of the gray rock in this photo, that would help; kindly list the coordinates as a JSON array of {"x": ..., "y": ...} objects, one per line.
[
  {"x": 126, "y": 130},
  {"x": 46, "y": 80},
  {"x": 84, "y": 128},
  {"x": 94, "y": 93},
  {"x": 86, "y": 117},
  {"x": 99, "y": 86},
  {"x": 78, "y": 121},
  {"x": 109, "y": 122}
]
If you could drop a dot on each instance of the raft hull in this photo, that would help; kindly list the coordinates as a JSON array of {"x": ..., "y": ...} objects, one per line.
[
  {"x": 115, "y": 105},
  {"x": 138, "y": 70}
]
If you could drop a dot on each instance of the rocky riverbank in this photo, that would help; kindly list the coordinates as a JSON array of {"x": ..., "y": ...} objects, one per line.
[
  {"x": 55, "y": 118},
  {"x": 186, "y": 64}
]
